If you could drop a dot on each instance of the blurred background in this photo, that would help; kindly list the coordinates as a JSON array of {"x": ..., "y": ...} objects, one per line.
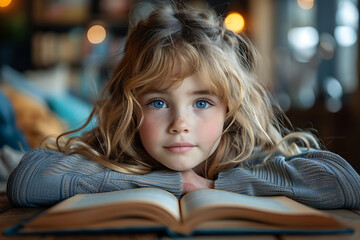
[{"x": 55, "y": 56}]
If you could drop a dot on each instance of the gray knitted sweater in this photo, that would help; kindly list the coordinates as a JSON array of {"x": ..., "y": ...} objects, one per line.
[{"x": 317, "y": 178}]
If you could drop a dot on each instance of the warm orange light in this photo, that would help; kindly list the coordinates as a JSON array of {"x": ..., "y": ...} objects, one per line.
[
  {"x": 96, "y": 34},
  {"x": 305, "y": 4},
  {"x": 5, "y": 3},
  {"x": 235, "y": 22}
]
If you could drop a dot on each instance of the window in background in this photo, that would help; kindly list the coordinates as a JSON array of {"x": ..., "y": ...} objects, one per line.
[{"x": 316, "y": 53}]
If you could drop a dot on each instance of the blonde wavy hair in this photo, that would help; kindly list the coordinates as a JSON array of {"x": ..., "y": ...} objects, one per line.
[{"x": 172, "y": 43}]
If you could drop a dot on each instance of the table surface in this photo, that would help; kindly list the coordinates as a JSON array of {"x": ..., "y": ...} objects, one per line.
[{"x": 10, "y": 216}]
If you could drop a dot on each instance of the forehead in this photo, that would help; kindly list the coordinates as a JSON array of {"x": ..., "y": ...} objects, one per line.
[
  {"x": 169, "y": 68},
  {"x": 195, "y": 83}
]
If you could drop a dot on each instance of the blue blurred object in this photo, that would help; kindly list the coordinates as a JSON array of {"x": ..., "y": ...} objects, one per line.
[
  {"x": 9, "y": 133},
  {"x": 19, "y": 81},
  {"x": 71, "y": 109}
]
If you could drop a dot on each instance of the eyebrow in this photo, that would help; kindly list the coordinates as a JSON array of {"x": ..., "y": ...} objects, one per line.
[
  {"x": 202, "y": 92},
  {"x": 199, "y": 92}
]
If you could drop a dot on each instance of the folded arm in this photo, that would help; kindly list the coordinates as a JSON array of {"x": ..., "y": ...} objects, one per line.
[
  {"x": 45, "y": 177},
  {"x": 319, "y": 179}
]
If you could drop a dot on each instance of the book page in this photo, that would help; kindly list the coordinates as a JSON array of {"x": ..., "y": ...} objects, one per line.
[
  {"x": 207, "y": 198},
  {"x": 152, "y": 195}
]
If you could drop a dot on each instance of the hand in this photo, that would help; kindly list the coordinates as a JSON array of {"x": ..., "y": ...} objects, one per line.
[{"x": 192, "y": 181}]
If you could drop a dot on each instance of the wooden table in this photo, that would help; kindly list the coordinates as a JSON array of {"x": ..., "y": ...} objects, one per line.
[{"x": 10, "y": 216}]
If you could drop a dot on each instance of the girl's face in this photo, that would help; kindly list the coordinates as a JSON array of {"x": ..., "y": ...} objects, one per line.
[{"x": 182, "y": 125}]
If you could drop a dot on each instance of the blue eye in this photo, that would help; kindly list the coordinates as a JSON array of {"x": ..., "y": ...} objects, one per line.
[
  {"x": 158, "y": 104},
  {"x": 202, "y": 104}
]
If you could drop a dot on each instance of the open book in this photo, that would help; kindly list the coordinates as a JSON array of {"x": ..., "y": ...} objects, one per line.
[{"x": 201, "y": 211}]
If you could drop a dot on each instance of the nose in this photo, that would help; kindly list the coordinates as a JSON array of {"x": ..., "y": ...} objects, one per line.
[{"x": 179, "y": 125}]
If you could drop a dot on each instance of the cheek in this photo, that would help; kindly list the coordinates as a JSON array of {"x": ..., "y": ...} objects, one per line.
[
  {"x": 149, "y": 130},
  {"x": 211, "y": 129}
]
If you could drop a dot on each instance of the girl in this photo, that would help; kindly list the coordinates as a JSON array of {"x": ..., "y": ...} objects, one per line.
[{"x": 184, "y": 110}]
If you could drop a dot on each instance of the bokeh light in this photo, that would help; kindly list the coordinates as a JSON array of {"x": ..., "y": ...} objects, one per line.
[
  {"x": 333, "y": 88},
  {"x": 306, "y": 97},
  {"x": 305, "y": 4},
  {"x": 347, "y": 14},
  {"x": 235, "y": 22},
  {"x": 345, "y": 36},
  {"x": 5, "y": 3},
  {"x": 333, "y": 104},
  {"x": 96, "y": 34},
  {"x": 304, "y": 41},
  {"x": 327, "y": 46}
]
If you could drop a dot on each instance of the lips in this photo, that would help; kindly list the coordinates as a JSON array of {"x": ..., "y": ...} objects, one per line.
[{"x": 181, "y": 147}]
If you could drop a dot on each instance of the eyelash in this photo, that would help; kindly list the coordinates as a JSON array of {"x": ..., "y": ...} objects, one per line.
[
  {"x": 165, "y": 105},
  {"x": 152, "y": 101},
  {"x": 205, "y": 100}
]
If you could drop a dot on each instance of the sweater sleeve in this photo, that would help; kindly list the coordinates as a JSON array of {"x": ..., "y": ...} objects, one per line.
[
  {"x": 45, "y": 177},
  {"x": 319, "y": 179}
]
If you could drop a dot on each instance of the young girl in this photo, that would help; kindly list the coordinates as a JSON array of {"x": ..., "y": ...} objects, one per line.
[{"x": 184, "y": 110}]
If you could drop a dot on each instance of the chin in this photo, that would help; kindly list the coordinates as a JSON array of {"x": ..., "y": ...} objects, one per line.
[{"x": 180, "y": 168}]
